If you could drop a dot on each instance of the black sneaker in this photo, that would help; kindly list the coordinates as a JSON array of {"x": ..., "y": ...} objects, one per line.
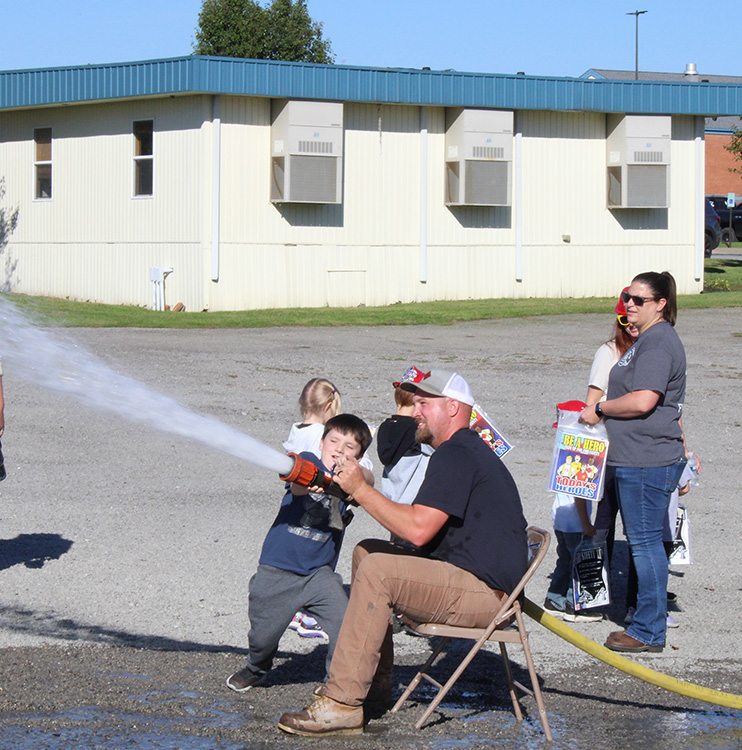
[
  {"x": 243, "y": 680},
  {"x": 554, "y": 609}
]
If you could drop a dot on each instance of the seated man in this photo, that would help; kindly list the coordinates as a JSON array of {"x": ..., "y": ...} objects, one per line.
[{"x": 468, "y": 520}]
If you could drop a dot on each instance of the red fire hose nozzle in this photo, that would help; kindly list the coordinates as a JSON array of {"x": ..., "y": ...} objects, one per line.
[{"x": 307, "y": 474}]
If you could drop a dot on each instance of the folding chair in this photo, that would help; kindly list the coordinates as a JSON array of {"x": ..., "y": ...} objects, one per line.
[{"x": 538, "y": 543}]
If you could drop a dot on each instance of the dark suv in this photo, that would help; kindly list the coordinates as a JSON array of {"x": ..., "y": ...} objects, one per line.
[
  {"x": 713, "y": 228},
  {"x": 719, "y": 203}
]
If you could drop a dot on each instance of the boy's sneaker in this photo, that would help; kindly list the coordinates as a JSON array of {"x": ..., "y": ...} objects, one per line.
[
  {"x": 554, "y": 609},
  {"x": 243, "y": 680},
  {"x": 582, "y": 615},
  {"x": 629, "y": 615},
  {"x": 672, "y": 622},
  {"x": 307, "y": 627}
]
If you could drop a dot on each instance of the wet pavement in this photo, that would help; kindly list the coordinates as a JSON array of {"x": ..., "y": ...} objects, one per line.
[
  {"x": 125, "y": 553},
  {"x": 117, "y": 697}
]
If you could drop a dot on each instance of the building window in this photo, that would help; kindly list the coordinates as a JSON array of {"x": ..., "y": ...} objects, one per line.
[
  {"x": 43, "y": 162},
  {"x": 143, "y": 157}
]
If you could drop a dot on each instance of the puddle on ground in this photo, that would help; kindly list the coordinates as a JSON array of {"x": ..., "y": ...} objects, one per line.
[{"x": 93, "y": 727}]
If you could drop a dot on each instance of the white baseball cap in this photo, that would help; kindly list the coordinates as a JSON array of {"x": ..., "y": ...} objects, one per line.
[{"x": 443, "y": 383}]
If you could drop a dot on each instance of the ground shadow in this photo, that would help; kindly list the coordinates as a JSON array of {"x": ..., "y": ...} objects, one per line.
[
  {"x": 51, "y": 625},
  {"x": 32, "y": 550},
  {"x": 482, "y": 688}
]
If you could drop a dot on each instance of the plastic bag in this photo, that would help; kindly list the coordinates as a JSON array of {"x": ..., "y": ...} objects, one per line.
[
  {"x": 680, "y": 554},
  {"x": 590, "y": 587},
  {"x": 578, "y": 461}
]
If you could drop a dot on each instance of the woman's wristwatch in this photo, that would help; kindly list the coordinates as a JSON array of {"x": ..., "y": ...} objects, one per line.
[{"x": 599, "y": 411}]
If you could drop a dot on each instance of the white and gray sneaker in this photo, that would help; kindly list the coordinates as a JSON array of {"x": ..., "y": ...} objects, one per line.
[
  {"x": 243, "y": 680},
  {"x": 583, "y": 615}
]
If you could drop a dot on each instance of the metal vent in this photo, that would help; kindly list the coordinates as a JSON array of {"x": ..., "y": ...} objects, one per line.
[
  {"x": 315, "y": 147},
  {"x": 649, "y": 157},
  {"x": 488, "y": 152},
  {"x": 486, "y": 183},
  {"x": 647, "y": 187},
  {"x": 313, "y": 179}
]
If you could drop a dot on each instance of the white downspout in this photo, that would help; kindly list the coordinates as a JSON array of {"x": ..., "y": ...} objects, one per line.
[
  {"x": 518, "y": 208},
  {"x": 423, "y": 195},
  {"x": 216, "y": 138},
  {"x": 700, "y": 197}
]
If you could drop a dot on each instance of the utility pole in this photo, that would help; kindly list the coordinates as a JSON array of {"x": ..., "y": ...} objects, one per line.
[{"x": 636, "y": 13}]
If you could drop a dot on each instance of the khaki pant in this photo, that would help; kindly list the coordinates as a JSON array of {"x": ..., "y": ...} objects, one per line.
[{"x": 388, "y": 579}]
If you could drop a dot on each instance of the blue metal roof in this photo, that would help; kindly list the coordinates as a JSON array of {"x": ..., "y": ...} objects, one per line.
[{"x": 219, "y": 75}]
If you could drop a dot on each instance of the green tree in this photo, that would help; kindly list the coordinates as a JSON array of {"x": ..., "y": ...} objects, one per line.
[
  {"x": 8, "y": 223},
  {"x": 735, "y": 149},
  {"x": 244, "y": 28}
]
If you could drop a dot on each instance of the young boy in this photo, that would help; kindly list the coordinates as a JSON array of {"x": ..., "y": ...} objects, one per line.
[
  {"x": 571, "y": 518},
  {"x": 404, "y": 459},
  {"x": 296, "y": 570}
]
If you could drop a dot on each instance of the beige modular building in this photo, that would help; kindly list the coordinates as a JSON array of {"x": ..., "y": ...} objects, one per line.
[{"x": 240, "y": 184}]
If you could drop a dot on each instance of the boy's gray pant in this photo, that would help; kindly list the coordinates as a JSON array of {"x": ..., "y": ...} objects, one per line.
[{"x": 277, "y": 595}]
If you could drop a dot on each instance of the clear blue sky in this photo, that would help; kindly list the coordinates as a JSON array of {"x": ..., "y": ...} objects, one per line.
[{"x": 539, "y": 38}]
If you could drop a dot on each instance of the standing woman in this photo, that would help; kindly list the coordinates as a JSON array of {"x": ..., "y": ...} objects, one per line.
[
  {"x": 646, "y": 390},
  {"x": 624, "y": 336}
]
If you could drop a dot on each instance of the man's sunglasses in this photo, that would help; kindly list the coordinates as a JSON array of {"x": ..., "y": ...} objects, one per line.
[{"x": 638, "y": 301}]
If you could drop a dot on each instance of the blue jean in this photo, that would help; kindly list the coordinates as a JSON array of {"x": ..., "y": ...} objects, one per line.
[
  {"x": 643, "y": 497},
  {"x": 560, "y": 588}
]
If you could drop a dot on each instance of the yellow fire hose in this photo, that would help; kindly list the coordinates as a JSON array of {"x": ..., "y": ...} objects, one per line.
[{"x": 613, "y": 659}]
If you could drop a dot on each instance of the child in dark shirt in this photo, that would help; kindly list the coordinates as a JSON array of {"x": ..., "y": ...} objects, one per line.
[
  {"x": 296, "y": 569},
  {"x": 404, "y": 459}
]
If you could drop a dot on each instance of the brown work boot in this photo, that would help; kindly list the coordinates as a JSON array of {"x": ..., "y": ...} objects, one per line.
[{"x": 324, "y": 717}]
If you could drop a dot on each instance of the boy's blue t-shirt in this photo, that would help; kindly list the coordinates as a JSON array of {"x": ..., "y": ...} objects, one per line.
[{"x": 300, "y": 539}]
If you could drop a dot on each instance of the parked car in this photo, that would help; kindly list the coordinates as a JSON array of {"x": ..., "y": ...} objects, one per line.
[
  {"x": 719, "y": 203},
  {"x": 713, "y": 229}
]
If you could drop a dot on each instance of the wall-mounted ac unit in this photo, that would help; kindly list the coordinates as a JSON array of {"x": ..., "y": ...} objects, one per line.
[
  {"x": 306, "y": 152},
  {"x": 479, "y": 157},
  {"x": 638, "y": 156}
]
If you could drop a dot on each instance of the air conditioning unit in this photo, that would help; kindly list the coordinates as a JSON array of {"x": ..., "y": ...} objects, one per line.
[
  {"x": 638, "y": 160},
  {"x": 479, "y": 157},
  {"x": 306, "y": 152}
]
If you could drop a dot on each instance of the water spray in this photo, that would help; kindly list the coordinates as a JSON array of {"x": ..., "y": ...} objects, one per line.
[{"x": 65, "y": 367}]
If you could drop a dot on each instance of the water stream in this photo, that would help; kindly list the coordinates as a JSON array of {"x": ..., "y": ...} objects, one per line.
[{"x": 46, "y": 359}]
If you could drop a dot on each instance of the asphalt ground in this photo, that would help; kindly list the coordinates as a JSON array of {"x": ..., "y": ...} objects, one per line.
[{"x": 125, "y": 552}]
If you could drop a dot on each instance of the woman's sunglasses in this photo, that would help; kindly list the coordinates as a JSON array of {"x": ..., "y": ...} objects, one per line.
[{"x": 638, "y": 301}]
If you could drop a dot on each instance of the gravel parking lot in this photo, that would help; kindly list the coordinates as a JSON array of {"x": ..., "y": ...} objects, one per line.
[{"x": 125, "y": 551}]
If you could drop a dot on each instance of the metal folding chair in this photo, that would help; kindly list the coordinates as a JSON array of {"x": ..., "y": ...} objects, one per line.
[{"x": 538, "y": 543}]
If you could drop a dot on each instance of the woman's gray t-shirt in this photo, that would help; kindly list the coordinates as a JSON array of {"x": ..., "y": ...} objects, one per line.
[{"x": 656, "y": 362}]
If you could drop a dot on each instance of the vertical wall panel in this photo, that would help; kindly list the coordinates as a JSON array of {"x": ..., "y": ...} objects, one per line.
[{"x": 94, "y": 241}]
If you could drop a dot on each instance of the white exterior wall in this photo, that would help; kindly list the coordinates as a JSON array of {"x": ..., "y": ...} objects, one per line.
[{"x": 93, "y": 241}]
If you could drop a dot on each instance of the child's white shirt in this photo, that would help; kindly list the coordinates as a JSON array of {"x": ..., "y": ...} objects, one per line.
[
  {"x": 564, "y": 514},
  {"x": 307, "y": 437}
]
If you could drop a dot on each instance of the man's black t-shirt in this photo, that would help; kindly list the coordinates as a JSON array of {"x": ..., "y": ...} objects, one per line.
[{"x": 486, "y": 531}]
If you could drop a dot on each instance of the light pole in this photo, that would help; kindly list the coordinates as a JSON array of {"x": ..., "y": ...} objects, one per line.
[{"x": 636, "y": 13}]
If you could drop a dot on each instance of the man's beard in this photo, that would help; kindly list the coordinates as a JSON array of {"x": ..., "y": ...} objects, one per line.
[{"x": 423, "y": 435}]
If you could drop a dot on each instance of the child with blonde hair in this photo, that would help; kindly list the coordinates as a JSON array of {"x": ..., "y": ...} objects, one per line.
[{"x": 319, "y": 401}]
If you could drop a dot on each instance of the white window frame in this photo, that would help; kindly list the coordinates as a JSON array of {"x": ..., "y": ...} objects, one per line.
[
  {"x": 138, "y": 159},
  {"x": 41, "y": 163}
]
